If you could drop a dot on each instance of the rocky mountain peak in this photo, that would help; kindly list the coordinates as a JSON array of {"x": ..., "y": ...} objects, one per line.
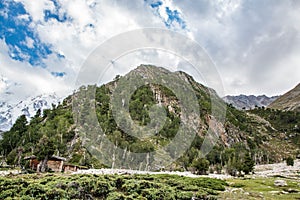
[{"x": 249, "y": 101}]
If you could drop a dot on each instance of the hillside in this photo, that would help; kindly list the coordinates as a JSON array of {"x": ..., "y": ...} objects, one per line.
[
  {"x": 243, "y": 137},
  {"x": 288, "y": 101},
  {"x": 247, "y": 102}
]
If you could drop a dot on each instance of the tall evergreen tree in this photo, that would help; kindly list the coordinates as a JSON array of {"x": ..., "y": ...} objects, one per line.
[
  {"x": 248, "y": 165},
  {"x": 45, "y": 149}
]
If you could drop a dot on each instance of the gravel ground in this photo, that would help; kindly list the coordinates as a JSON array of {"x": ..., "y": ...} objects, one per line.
[
  {"x": 7, "y": 172},
  {"x": 268, "y": 170},
  {"x": 125, "y": 171},
  {"x": 279, "y": 169}
]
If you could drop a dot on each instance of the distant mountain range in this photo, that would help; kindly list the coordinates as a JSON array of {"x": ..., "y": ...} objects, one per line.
[
  {"x": 249, "y": 101},
  {"x": 288, "y": 101},
  {"x": 9, "y": 113}
]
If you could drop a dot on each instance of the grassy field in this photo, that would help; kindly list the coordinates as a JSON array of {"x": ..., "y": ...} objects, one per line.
[
  {"x": 261, "y": 188},
  {"x": 160, "y": 187},
  {"x": 118, "y": 187}
]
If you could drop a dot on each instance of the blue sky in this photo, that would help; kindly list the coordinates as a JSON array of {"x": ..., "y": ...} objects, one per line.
[
  {"x": 254, "y": 44},
  {"x": 17, "y": 34}
]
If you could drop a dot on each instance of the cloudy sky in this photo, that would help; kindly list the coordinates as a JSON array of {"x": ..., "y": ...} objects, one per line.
[{"x": 255, "y": 44}]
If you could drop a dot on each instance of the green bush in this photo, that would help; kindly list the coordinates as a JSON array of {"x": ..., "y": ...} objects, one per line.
[
  {"x": 290, "y": 161},
  {"x": 129, "y": 187},
  {"x": 201, "y": 165}
]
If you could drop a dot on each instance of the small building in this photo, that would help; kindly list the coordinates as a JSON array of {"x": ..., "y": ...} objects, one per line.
[
  {"x": 72, "y": 168},
  {"x": 55, "y": 163},
  {"x": 33, "y": 162}
]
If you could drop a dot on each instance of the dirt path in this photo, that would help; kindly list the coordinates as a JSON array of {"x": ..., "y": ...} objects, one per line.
[{"x": 268, "y": 170}]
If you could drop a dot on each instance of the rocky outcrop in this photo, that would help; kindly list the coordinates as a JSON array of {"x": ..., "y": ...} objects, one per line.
[{"x": 280, "y": 183}]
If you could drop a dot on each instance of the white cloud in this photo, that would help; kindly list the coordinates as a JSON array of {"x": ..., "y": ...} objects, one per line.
[
  {"x": 89, "y": 24},
  {"x": 2, "y": 84},
  {"x": 79, "y": 11},
  {"x": 29, "y": 42},
  {"x": 24, "y": 17},
  {"x": 249, "y": 41},
  {"x": 28, "y": 81},
  {"x": 89, "y": 27},
  {"x": 254, "y": 44},
  {"x": 36, "y": 8}
]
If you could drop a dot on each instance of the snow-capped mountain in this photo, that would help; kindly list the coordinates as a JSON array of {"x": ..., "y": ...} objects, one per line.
[
  {"x": 5, "y": 116},
  {"x": 249, "y": 101},
  {"x": 9, "y": 113}
]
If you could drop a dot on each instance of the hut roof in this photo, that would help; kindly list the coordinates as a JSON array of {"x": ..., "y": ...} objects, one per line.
[
  {"x": 57, "y": 158},
  {"x": 51, "y": 158},
  {"x": 73, "y": 165},
  {"x": 29, "y": 157}
]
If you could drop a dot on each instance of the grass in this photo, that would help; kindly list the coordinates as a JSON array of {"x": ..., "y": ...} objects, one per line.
[
  {"x": 126, "y": 187},
  {"x": 260, "y": 188}
]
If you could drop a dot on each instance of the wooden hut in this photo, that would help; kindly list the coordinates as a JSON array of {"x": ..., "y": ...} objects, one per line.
[
  {"x": 72, "y": 168},
  {"x": 54, "y": 163},
  {"x": 33, "y": 162}
]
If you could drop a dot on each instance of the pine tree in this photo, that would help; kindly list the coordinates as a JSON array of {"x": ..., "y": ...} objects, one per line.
[
  {"x": 201, "y": 165},
  {"x": 290, "y": 161},
  {"x": 45, "y": 149},
  {"x": 248, "y": 164}
]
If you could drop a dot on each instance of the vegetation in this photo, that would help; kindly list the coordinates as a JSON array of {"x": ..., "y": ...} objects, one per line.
[
  {"x": 287, "y": 122},
  {"x": 47, "y": 133},
  {"x": 245, "y": 140},
  {"x": 290, "y": 161},
  {"x": 201, "y": 165},
  {"x": 261, "y": 188},
  {"x": 248, "y": 164},
  {"x": 114, "y": 187}
]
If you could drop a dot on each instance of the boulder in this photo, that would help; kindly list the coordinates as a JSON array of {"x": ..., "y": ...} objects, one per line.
[
  {"x": 291, "y": 190},
  {"x": 280, "y": 183}
]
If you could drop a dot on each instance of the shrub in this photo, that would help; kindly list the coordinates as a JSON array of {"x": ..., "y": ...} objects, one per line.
[
  {"x": 127, "y": 187},
  {"x": 201, "y": 165},
  {"x": 290, "y": 161}
]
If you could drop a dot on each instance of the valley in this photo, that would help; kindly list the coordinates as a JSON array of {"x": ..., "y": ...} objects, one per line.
[{"x": 252, "y": 148}]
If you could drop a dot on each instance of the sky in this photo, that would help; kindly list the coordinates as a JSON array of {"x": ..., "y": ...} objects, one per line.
[{"x": 254, "y": 44}]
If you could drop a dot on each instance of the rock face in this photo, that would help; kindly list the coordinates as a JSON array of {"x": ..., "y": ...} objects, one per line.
[
  {"x": 280, "y": 183},
  {"x": 249, "y": 102},
  {"x": 288, "y": 101}
]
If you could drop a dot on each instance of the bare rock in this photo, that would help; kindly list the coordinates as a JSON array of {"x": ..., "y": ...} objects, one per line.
[
  {"x": 291, "y": 190},
  {"x": 280, "y": 183}
]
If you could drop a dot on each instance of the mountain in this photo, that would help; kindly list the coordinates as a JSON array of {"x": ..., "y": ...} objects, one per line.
[
  {"x": 146, "y": 124},
  {"x": 5, "y": 116},
  {"x": 28, "y": 107},
  {"x": 249, "y": 101},
  {"x": 288, "y": 101}
]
